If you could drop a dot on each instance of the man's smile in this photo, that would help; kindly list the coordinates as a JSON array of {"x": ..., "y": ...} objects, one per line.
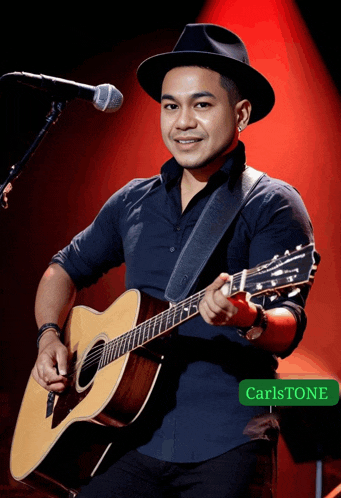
[
  {"x": 188, "y": 140},
  {"x": 187, "y": 143}
]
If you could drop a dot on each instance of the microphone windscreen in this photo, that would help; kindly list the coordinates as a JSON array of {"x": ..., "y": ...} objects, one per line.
[{"x": 107, "y": 98}]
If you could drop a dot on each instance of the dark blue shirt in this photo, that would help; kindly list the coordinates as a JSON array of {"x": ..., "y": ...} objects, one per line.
[{"x": 198, "y": 415}]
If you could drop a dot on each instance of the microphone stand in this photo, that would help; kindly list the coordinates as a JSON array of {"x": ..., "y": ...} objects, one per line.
[{"x": 57, "y": 108}]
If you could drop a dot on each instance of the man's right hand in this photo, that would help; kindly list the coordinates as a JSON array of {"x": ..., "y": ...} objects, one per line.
[
  {"x": 50, "y": 369},
  {"x": 55, "y": 297}
]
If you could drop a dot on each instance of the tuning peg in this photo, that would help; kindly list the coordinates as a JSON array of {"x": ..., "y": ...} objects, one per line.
[
  {"x": 299, "y": 247},
  {"x": 294, "y": 292},
  {"x": 276, "y": 256},
  {"x": 271, "y": 293},
  {"x": 287, "y": 252}
]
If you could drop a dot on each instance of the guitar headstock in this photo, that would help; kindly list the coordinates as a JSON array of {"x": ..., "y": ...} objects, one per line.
[{"x": 288, "y": 272}]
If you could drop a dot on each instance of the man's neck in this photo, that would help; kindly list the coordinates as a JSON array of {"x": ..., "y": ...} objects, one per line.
[
  {"x": 192, "y": 176},
  {"x": 194, "y": 180}
]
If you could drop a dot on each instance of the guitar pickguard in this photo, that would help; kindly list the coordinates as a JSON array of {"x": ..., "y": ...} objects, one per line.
[{"x": 69, "y": 399}]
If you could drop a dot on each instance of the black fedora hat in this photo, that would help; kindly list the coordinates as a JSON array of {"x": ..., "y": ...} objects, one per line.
[{"x": 219, "y": 49}]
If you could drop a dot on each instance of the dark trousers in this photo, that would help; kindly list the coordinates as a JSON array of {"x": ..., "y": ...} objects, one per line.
[{"x": 244, "y": 472}]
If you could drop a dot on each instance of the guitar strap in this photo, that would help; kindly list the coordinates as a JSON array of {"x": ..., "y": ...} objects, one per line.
[{"x": 215, "y": 219}]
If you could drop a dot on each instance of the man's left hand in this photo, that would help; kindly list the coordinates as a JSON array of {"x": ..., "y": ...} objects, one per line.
[{"x": 217, "y": 309}]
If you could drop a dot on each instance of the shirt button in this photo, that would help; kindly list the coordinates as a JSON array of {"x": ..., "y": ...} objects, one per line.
[
  {"x": 172, "y": 249},
  {"x": 178, "y": 229}
]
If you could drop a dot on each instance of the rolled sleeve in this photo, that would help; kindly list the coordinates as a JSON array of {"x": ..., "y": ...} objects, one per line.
[
  {"x": 95, "y": 250},
  {"x": 282, "y": 224}
]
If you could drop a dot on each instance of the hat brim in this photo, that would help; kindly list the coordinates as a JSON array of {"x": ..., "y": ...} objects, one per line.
[{"x": 252, "y": 84}]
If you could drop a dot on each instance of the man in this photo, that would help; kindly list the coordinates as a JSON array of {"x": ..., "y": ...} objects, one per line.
[{"x": 199, "y": 440}]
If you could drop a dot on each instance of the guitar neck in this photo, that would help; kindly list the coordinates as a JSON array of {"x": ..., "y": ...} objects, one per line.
[
  {"x": 287, "y": 272},
  {"x": 164, "y": 322},
  {"x": 152, "y": 328}
]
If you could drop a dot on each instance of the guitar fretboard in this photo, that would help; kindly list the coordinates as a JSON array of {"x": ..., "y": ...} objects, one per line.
[
  {"x": 150, "y": 329},
  {"x": 287, "y": 271}
]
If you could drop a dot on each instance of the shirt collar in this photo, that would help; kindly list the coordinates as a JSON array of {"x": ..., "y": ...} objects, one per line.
[{"x": 171, "y": 171}]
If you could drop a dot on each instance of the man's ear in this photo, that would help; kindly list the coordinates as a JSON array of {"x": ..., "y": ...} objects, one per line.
[{"x": 243, "y": 112}]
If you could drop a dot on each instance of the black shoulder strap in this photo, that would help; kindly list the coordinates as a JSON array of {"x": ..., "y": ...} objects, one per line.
[{"x": 217, "y": 216}]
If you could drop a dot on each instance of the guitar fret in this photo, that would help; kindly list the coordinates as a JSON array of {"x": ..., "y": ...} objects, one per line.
[
  {"x": 124, "y": 343},
  {"x": 163, "y": 325},
  {"x": 120, "y": 349},
  {"x": 242, "y": 280},
  {"x": 151, "y": 328},
  {"x": 177, "y": 311},
  {"x": 185, "y": 311},
  {"x": 137, "y": 336},
  {"x": 113, "y": 345},
  {"x": 132, "y": 340},
  {"x": 144, "y": 333},
  {"x": 169, "y": 320},
  {"x": 235, "y": 287}
]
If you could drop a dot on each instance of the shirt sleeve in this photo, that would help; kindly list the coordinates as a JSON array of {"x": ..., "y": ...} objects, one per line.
[
  {"x": 282, "y": 224},
  {"x": 98, "y": 248}
]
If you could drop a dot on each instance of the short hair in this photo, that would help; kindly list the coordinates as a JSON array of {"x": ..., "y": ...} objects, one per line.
[
  {"x": 233, "y": 92},
  {"x": 232, "y": 89}
]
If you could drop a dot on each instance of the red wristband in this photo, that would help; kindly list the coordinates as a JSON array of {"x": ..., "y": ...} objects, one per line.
[{"x": 247, "y": 311}]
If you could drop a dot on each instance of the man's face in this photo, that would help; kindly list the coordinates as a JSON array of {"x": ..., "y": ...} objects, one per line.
[{"x": 198, "y": 124}]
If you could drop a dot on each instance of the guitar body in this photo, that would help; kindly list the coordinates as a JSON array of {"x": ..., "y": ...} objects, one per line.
[{"x": 110, "y": 396}]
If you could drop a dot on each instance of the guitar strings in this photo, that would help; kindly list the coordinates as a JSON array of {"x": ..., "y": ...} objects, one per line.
[
  {"x": 115, "y": 345},
  {"x": 118, "y": 346},
  {"x": 113, "y": 349},
  {"x": 110, "y": 350}
]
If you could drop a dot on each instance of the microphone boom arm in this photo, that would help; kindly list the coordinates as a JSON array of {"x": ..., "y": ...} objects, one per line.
[{"x": 57, "y": 108}]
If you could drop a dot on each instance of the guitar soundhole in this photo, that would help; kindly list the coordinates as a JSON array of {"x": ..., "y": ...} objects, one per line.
[{"x": 90, "y": 364}]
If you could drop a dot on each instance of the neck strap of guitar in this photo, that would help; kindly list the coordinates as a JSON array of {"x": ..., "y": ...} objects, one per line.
[{"x": 218, "y": 214}]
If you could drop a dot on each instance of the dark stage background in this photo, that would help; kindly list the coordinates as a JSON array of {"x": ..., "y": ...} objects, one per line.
[{"x": 89, "y": 154}]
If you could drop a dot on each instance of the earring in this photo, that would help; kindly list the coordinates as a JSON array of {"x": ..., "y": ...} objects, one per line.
[{"x": 239, "y": 129}]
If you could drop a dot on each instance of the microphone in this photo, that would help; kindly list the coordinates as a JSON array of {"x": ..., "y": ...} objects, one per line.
[{"x": 104, "y": 97}]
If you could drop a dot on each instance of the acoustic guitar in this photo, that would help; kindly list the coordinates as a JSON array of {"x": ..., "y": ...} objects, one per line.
[{"x": 60, "y": 440}]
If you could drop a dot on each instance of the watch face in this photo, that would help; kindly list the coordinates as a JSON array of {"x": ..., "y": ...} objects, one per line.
[{"x": 254, "y": 333}]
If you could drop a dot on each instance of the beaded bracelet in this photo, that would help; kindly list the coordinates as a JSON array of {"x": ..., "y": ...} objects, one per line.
[
  {"x": 259, "y": 326},
  {"x": 46, "y": 326}
]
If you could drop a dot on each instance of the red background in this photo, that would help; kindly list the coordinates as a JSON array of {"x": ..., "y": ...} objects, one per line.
[{"x": 88, "y": 155}]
